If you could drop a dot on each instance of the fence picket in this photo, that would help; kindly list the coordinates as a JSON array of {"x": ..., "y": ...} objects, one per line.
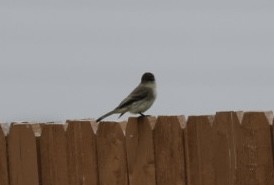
[
  {"x": 226, "y": 125},
  {"x": 111, "y": 152},
  {"x": 140, "y": 151},
  {"x": 53, "y": 157},
  {"x": 81, "y": 153},
  {"x": 199, "y": 136},
  {"x": 228, "y": 148},
  {"x": 22, "y": 155},
  {"x": 254, "y": 149},
  {"x": 169, "y": 151}
]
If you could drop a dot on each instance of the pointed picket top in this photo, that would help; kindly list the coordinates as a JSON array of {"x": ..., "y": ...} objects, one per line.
[
  {"x": 197, "y": 125},
  {"x": 149, "y": 120},
  {"x": 206, "y": 120},
  {"x": 71, "y": 124},
  {"x": 178, "y": 120},
  {"x": 225, "y": 119},
  {"x": 106, "y": 126},
  {"x": 48, "y": 129},
  {"x": 257, "y": 118},
  {"x": 92, "y": 122},
  {"x": 254, "y": 149},
  {"x": 170, "y": 121}
]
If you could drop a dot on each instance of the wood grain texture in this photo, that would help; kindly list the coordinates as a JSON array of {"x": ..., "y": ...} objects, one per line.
[
  {"x": 254, "y": 150},
  {"x": 226, "y": 125},
  {"x": 81, "y": 153},
  {"x": 230, "y": 148},
  {"x": 140, "y": 151},
  {"x": 169, "y": 151},
  {"x": 199, "y": 137},
  {"x": 23, "y": 166},
  {"x": 111, "y": 152},
  {"x": 53, "y": 155}
]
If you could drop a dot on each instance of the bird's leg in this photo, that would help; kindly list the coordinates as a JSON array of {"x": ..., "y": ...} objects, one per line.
[{"x": 142, "y": 115}]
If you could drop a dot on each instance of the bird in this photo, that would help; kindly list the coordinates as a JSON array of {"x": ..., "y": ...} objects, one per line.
[{"x": 139, "y": 100}]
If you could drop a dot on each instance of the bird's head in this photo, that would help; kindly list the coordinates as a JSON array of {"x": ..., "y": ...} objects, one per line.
[{"x": 147, "y": 77}]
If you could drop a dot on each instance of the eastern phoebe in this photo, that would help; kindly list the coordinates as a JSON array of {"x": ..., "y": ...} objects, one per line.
[{"x": 139, "y": 100}]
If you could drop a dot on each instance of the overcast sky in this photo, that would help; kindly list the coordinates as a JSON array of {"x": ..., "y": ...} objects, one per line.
[{"x": 76, "y": 59}]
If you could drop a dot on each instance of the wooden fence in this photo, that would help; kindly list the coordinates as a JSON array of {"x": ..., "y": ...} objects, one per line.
[{"x": 226, "y": 149}]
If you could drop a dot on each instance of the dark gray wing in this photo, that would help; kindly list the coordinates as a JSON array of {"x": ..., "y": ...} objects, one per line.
[{"x": 136, "y": 95}]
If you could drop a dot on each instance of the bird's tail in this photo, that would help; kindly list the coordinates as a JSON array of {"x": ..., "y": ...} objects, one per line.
[{"x": 106, "y": 115}]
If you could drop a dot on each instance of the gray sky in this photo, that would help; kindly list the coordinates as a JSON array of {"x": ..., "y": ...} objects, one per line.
[{"x": 77, "y": 59}]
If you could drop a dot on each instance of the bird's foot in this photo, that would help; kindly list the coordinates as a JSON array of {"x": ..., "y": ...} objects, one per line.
[{"x": 142, "y": 115}]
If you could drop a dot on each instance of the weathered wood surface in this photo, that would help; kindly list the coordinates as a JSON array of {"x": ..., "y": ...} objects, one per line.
[{"x": 229, "y": 148}]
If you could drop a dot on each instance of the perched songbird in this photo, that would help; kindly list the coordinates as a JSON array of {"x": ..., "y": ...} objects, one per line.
[{"x": 139, "y": 100}]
